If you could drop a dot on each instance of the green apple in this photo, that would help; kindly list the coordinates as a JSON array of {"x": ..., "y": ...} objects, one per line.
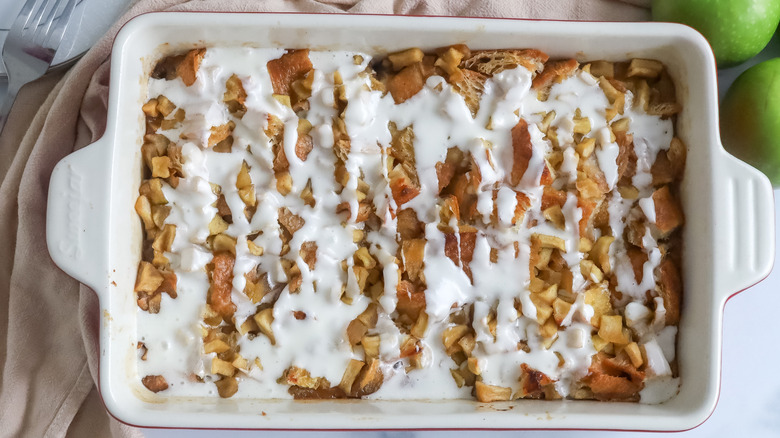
[
  {"x": 750, "y": 118},
  {"x": 736, "y": 29}
]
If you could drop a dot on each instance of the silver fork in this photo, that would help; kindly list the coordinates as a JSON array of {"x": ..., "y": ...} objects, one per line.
[{"x": 31, "y": 44}]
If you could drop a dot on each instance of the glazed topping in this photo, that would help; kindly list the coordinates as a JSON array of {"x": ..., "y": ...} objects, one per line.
[{"x": 418, "y": 227}]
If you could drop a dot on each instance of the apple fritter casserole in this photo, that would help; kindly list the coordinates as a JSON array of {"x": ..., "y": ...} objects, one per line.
[{"x": 418, "y": 225}]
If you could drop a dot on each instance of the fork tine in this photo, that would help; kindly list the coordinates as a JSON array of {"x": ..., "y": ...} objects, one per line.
[
  {"x": 51, "y": 16},
  {"x": 57, "y": 32},
  {"x": 42, "y": 8},
  {"x": 24, "y": 17},
  {"x": 42, "y": 32}
]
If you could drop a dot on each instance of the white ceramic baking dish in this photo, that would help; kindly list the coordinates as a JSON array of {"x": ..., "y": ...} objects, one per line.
[{"x": 94, "y": 235}]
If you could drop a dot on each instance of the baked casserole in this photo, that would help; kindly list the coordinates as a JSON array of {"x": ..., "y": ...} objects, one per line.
[{"x": 453, "y": 224}]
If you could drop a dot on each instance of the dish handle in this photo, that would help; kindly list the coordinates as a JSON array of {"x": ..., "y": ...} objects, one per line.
[
  {"x": 746, "y": 207},
  {"x": 77, "y": 213}
]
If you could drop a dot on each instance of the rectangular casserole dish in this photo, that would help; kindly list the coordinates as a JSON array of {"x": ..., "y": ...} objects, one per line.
[{"x": 94, "y": 235}]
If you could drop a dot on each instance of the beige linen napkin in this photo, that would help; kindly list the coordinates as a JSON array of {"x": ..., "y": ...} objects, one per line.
[{"x": 50, "y": 322}]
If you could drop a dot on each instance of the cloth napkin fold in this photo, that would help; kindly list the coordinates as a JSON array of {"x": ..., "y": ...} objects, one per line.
[{"x": 49, "y": 329}]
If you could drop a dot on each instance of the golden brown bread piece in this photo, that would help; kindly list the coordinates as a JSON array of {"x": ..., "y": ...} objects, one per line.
[
  {"x": 411, "y": 301},
  {"x": 662, "y": 170},
  {"x": 591, "y": 182},
  {"x": 626, "y": 158},
  {"x": 551, "y": 196},
  {"x": 588, "y": 207},
  {"x": 522, "y": 150},
  {"x": 614, "y": 378},
  {"x": 533, "y": 382},
  {"x": 460, "y": 249},
  {"x": 635, "y": 232},
  {"x": 637, "y": 257},
  {"x": 668, "y": 213},
  {"x": 369, "y": 380},
  {"x": 470, "y": 85},
  {"x": 451, "y": 248},
  {"x": 402, "y": 186},
  {"x": 444, "y": 173},
  {"x": 188, "y": 68},
  {"x": 449, "y": 209},
  {"x": 409, "y": 227},
  {"x": 402, "y": 145},
  {"x": 490, "y": 62},
  {"x": 523, "y": 203},
  {"x": 221, "y": 278},
  {"x": 184, "y": 66},
  {"x": 406, "y": 83},
  {"x": 607, "y": 388},
  {"x": 287, "y": 69},
  {"x": 669, "y": 164},
  {"x": 670, "y": 289},
  {"x": 491, "y": 393},
  {"x": 547, "y": 176},
  {"x": 600, "y": 217},
  {"x": 413, "y": 251},
  {"x": 463, "y": 191},
  {"x": 468, "y": 241},
  {"x": 554, "y": 71}
]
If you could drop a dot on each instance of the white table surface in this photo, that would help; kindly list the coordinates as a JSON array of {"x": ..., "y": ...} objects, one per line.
[{"x": 749, "y": 404}]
